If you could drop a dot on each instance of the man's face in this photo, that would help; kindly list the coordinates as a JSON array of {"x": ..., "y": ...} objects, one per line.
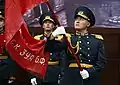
[
  {"x": 80, "y": 23},
  {"x": 48, "y": 25}
]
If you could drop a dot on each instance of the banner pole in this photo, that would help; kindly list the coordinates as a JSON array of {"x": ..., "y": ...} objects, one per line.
[{"x": 70, "y": 47}]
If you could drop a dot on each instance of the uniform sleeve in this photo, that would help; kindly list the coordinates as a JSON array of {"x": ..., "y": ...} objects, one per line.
[
  {"x": 63, "y": 64},
  {"x": 100, "y": 59},
  {"x": 56, "y": 45}
]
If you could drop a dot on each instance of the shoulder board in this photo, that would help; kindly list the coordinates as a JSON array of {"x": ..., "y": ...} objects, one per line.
[
  {"x": 37, "y": 37},
  {"x": 68, "y": 35},
  {"x": 59, "y": 37},
  {"x": 98, "y": 36}
]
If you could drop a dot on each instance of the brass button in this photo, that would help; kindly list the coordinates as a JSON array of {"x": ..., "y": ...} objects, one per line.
[
  {"x": 88, "y": 48},
  {"x": 80, "y": 41},
  {"x": 88, "y": 54},
  {"x": 88, "y": 43}
]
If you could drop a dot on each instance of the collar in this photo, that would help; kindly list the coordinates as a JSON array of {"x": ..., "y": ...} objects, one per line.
[{"x": 82, "y": 34}]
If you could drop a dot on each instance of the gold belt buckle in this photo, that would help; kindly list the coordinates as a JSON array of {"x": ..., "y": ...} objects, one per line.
[{"x": 83, "y": 65}]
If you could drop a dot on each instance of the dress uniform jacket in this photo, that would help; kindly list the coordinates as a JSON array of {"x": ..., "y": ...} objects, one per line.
[
  {"x": 89, "y": 49},
  {"x": 56, "y": 61},
  {"x": 4, "y": 73},
  {"x": 7, "y": 68}
]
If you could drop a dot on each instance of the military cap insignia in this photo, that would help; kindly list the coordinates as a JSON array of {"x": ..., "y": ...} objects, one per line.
[
  {"x": 81, "y": 13},
  {"x": 49, "y": 18}
]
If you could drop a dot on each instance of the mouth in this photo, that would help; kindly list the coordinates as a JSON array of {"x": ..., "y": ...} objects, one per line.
[
  {"x": 76, "y": 24},
  {"x": 48, "y": 30}
]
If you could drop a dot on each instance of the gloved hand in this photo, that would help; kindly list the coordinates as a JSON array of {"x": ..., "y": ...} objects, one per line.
[
  {"x": 58, "y": 31},
  {"x": 11, "y": 80},
  {"x": 84, "y": 74},
  {"x": 33, "y": 81}
]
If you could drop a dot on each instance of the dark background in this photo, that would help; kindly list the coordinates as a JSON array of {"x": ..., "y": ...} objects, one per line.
[{"x": 107, "y": 12}]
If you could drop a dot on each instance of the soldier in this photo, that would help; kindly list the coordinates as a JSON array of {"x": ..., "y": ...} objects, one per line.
[
  {"x": 89, "y": 49},
  {"x": 6, "y": 71},
  {"x": 3, "y": 65},
  {"x": 54, "y": 70}
]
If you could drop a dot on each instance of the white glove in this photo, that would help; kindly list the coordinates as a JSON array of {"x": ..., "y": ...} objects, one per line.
[
  {"x": 33, "y": 81},
  {"x": 58, "y": 31},
  {"x": 10, "y": 81},
  {"x": 84, "y": 74}
]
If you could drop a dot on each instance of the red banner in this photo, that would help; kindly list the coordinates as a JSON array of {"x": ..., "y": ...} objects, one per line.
[
  {"x": 28, "y": 52},
  {"x": 2, "y": 43},
  {"x": 14, "y": 10},
  {"x": 25, "y": 50}
]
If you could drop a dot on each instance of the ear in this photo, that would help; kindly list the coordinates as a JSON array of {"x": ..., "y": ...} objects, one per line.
[
  {"x": 88, "y": 24},
  {"x": 54, "y": 27}
]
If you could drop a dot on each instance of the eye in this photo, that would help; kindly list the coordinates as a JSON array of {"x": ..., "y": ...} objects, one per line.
[{"x": 79, "y": 19}]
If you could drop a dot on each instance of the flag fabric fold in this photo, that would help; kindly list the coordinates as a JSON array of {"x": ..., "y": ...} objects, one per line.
[
  {"x": 2, "y": 43},
  {"x": 29, "y": 53}
]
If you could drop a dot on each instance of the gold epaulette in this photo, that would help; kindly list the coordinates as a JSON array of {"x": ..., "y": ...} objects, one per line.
[
  {"x": 3, "y": 57},
  {"x": 98, "y": 36},
  {"x": 37, "y": 37},
  {"x": 59, "y": 37},
  {"x": 69, "y": 37}
]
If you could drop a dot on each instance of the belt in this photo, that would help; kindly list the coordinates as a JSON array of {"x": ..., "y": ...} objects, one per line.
[
  {"x": 83, "y": 65},
  {"x": 53, "y": 62},
  {"x": 3, "y": 57}
]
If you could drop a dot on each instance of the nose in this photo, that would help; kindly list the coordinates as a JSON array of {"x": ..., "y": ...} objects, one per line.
[
  {"x": 77, "y": 21},
  {"x": 47, "y": 24}
]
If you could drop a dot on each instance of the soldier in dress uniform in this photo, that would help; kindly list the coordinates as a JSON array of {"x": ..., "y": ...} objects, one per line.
[
  {"x": 55, "y": 63},
  {"x": 6, "y": 76},
  {"x": 89, "y": 49},
  {"x": 3, "y": 65}
]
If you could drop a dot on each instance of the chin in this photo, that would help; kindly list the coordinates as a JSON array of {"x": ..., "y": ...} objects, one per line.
[{"x": 78, "y": 28}]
